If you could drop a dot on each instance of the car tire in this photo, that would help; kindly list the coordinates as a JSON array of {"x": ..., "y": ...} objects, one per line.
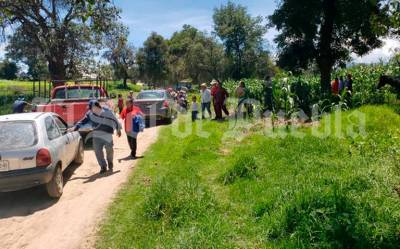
[
  {"x": 79, "y": 157},
  {"x": 56, "y": 184},
  {"x": 168, "y": 120}
]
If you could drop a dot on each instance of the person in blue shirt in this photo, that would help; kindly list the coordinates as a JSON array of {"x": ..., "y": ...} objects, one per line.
[
  {"x": 19, "y": 105},
  {"x": 104, "y": 123}
]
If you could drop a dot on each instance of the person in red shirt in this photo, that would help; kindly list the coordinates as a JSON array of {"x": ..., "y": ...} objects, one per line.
[
  {"x": 127, "y": 114},
  {"x": 335, "y": 86},
  {"x": 217, "y": 106}
]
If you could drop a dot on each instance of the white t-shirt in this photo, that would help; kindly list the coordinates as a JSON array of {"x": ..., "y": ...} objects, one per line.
[
  {"x": 195, "y": 106},
  {"x": 206, "y": 96}
]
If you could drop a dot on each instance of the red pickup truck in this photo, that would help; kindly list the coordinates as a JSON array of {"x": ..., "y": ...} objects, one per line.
[{"x": 71, "y": 102}]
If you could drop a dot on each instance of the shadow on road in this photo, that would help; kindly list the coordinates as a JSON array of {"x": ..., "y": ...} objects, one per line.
[
  {"x": 95, "y": 177},
  {"x": 28, "y": 201}
]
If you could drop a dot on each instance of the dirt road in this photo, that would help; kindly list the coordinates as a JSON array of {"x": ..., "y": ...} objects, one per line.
[{"x": 29, "y": 220}]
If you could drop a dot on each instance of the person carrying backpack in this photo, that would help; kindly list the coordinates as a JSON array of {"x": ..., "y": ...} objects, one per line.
[{"x": 134, "y": 124}]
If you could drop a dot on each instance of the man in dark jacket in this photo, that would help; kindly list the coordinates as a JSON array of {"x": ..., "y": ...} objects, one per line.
[
  {"x": 220, "y": 97},
  {"x": 19, "y": 105},
  {"x": 104, "y": 124}
]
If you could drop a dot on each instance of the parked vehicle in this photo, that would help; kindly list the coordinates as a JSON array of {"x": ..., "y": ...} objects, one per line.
[
  {"x": 35, "y": 149},
  {"x": 156, "y": 104},
  {"x": 71, "y": 101}
]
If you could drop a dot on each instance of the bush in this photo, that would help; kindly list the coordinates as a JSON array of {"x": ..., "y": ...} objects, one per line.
[
  {"x": 244, "y": 167},
  {"x": 331, "y": 219},
  {"x": 177, "y": 202}
]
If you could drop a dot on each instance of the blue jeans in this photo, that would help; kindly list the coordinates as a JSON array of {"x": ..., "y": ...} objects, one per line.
[
  {"x": 194, "y": 115},
  {"x": 98, "y": 145},
  {"x": 204, "y": 107}
]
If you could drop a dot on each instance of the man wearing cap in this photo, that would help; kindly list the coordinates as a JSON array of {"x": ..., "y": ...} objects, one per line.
[
  {"x": 205, "y": 100},
  {"x": 104, "y": 124}
]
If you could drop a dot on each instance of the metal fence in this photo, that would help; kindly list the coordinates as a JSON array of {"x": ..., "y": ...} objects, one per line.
[{"x": 38, "y": 91}]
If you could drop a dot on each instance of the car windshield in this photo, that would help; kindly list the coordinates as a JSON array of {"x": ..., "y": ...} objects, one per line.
[
  {"x": 17, "y": 135},
  {"x": 150, "y": 95},
  {"x": 76, "y": 93}
]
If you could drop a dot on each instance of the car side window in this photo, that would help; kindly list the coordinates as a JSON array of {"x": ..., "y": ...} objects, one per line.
[
  {"x": 51, "y": 128},
  {"x": 61, "y": 124}
]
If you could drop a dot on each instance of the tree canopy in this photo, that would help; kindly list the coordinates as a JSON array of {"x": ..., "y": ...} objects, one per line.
[
  {"x": 242, "y": 36},
  {"x": 325, "y": 32},
  {"x": 120, "y": 53},
  {"x": 152, "y": 59},
  {"x": 63, "y": 31}
]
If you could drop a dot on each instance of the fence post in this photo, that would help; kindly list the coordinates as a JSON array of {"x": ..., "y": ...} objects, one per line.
[
  {"x": 45, "y": 89},
  {"x": 40, "y": 89},
  {"x": 50, "y": 85},
  {"x": 34, "y": 88}
]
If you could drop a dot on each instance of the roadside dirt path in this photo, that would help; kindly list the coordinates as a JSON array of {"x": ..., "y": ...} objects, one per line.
[{"x": 29, "y": 220}]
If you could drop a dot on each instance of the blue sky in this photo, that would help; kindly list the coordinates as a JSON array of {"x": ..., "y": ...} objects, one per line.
[{"x": 165, "y": 17}]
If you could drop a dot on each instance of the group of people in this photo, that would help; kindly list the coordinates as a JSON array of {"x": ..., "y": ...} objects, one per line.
[
  {"x": 339, "y": 85},
  {"x": 121, "y": 101},
  {"x": 217, "y": 96},
  {"x": 105, "y": 123}
]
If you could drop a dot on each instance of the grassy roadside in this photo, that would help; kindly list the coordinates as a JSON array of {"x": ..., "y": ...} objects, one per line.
[{"x": 264, "y": 192}]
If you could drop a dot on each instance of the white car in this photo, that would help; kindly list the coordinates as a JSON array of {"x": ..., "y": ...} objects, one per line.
[{"x": 35, "y": 148}]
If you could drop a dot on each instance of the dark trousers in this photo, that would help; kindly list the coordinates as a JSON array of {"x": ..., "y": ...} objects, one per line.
[
  {"x": 194, "y": 115},
  {"x": 205, "y": 107},
  {"x": 218, "y": 110},
  {"x": 132, "y": 141},
  {"x": 225, "y": 109}
]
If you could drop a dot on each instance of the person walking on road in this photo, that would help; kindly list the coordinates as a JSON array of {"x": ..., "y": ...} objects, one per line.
[
  {"x": 104, "y": 124},
  {"x": 134, "y": 123},
  {"x": 205, "y": 101}
]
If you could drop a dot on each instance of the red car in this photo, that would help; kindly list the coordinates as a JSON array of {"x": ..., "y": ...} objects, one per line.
[{"x": 71, "y": 102}]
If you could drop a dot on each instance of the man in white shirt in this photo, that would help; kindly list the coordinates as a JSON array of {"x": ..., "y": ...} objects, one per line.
[{"x": 205, "y": 100}]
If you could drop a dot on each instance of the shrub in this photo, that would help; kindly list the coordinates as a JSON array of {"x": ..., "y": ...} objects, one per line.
[
  {"x": 332, "y": 219},
  {"x": 244, "y": 167}
]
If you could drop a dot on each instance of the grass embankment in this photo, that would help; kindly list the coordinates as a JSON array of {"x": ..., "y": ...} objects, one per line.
[{"x": 264, "y": 192}]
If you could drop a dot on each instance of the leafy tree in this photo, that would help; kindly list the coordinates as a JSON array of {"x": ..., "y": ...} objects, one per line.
[
  {"x": 241, "y": 35},
  {"x": 64, "y": 31},
  {"x": 8, "y": 70},
  {"x": 194, "y": 55},
  {"x": 325, "y": 32},
  {"x": 152, "y": 59},
  {"x": 120, "y": 53},
  {"x": 19, "y": 49}
]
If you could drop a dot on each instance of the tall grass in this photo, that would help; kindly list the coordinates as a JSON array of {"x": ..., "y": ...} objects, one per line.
[{"x": 264, "y": 192}]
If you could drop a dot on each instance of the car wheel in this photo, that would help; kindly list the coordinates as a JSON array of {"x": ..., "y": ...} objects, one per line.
[
  {"x": 56, "y": 184},
  {"x": 168, "y": 120},
  {"x": 79, "y": 154}
]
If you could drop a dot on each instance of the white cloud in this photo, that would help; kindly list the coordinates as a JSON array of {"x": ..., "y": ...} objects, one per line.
[{"x": 384, "y": 53}]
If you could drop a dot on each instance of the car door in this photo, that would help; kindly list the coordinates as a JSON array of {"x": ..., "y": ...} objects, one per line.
[
  {"x": 57, "y": 143},
  {"x": 73, "y": 140}
]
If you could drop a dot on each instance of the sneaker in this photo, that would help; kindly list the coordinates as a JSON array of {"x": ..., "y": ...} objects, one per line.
[
  {"x": 102, "y": 171},
  {"x": 110, "y": 167}
]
